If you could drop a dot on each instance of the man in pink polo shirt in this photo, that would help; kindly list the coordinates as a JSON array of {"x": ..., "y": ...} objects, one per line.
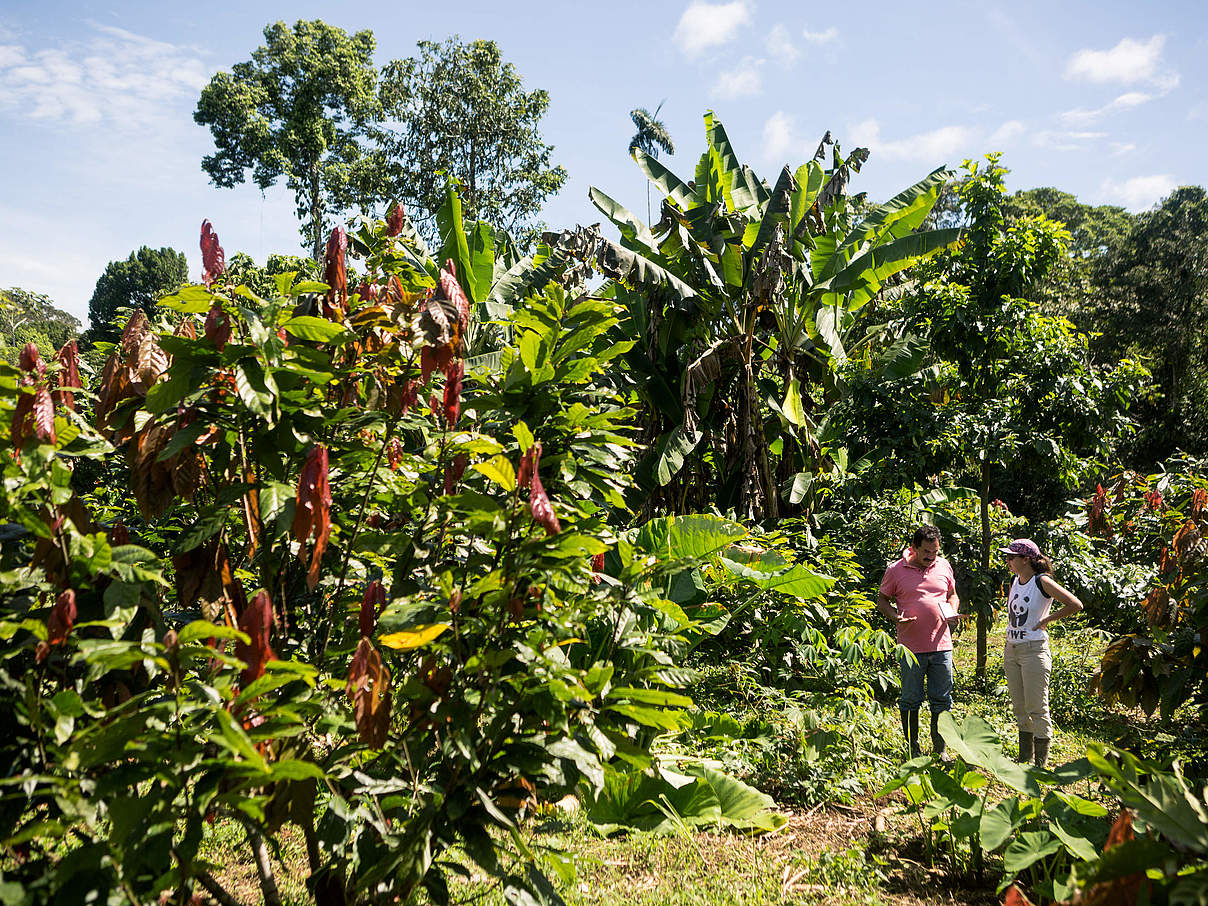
[{"x": 918, "y": 594}]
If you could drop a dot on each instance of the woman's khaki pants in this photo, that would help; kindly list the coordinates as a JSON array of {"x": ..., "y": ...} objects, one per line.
[{"x": 1027, "y": 666}]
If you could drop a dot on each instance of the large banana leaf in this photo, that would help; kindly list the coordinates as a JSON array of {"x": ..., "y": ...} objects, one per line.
[
  {"x": 481, "y": 240},
  {"x": 666, "y": 181},
  {"x": 873, "y": 266},
  {"x": 913, "y": 203},
  {"x": 530, "y": 272},
  {"x": 632, "y": 229},
  {"x": 454, "y": 244},
  {"x": 775, "y": 213},
  {"x": 634, "y": 270},
  {"x": 742, "y": 188},
  {"x": 809, "y": 181}
]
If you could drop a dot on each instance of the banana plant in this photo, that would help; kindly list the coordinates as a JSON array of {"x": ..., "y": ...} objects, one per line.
[{"x": 745, "y": 300}]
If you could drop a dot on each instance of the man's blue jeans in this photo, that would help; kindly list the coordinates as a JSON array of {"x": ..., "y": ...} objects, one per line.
[{"x": 936, "y": 667}]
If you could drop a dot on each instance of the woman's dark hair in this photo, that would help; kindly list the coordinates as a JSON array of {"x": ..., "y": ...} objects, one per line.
[
  {"x": 923, "y": 534},
  {"x": 1042, "y": 565}
]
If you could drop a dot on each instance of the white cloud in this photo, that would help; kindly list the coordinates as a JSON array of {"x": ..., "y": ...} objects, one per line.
[
  {"x": 1119, "y": 148},
  {"x": 1126, "y": 101},
  {"x": 705, "y": 25},
  {"x": 779, "y": 136},
  {"x": 740, "y": 82},
  {"x": 116, "y": 77},
  {"x": 780, "y": 46},
  {"x": 1005, "y": 134},
  {"x": 1066, "y": 140},
  {"x": 1140, "y": 192},
  {"x": 828, "y": 36},
  {"x": 1128, "y": 62},
  {"x": 946, "y": 143}
]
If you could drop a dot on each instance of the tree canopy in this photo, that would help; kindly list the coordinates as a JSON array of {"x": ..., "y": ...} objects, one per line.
[
  {"x": 459, "y": 109},
  {"x": 299, "y": 109},
  {"x": 137, "y": 282},
  {"x": 28, "y": 317}
]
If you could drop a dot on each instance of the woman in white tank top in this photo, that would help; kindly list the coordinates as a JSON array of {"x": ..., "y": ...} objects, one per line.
[{"x": 1026, "y": 660}]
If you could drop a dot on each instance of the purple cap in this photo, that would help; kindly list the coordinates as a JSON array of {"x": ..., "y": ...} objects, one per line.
[{"x": 1022, "y": 546}]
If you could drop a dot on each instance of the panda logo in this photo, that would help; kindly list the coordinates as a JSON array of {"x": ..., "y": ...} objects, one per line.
[{"x": 1017, "y": 610}]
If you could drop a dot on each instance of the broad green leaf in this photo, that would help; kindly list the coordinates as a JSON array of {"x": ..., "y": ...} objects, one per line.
[
  {"x": 454, "y": 244},
  {"x": 999, "y": 822},
  {"x": 671, "y": 451},
  {"x": 912, "y": 204},
  {"x": 650, "y": 697},
  {"x": 793, "y": 410},
  {"x": 649, "y": 717},
  {"x": 314, "y": 330},
  {"x": 1027, "y": 849},
  {"x": 482, "y": 259},
  {"x": 688, "y": 537},
  {"x": 188, "y": 299},
  {"x": 500, "y": 470},
  {"x": 413, "y": 638},
  {"x": 630, "y": 226},
  {"x": 666, "y": 181}
]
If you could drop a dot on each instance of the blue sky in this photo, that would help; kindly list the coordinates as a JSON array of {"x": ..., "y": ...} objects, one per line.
[{"x": 100, "y": 154}]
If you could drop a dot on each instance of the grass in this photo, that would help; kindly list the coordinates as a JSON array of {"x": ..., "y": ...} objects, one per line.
[{"x": 822, "y": 759}]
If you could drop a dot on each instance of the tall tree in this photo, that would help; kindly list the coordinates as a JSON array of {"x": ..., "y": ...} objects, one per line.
[
  {"x": 1155, "y": 304},
  {"x": 651, "y": 137},
  {"x": 299, "y": 108},
  {"x": 1019, "y": 390},
  {"x": 137, "y": 282},
  {"x": 460, "y": 109}
]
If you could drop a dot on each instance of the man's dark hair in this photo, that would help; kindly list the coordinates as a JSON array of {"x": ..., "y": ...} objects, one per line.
[{"x": 923, "y": 534}]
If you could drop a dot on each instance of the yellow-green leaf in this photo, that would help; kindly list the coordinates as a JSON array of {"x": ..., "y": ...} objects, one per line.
[{"x": 413, "y": 638}]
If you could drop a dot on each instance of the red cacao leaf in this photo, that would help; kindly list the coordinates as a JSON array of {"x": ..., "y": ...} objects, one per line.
[
  {"x": 204, "y": 579},
  {"x": 371, "y": 607},
  {"x": 434, "y": 358},
  {"x": 22, "y": 426},
  {"x": 152, "y": 361},
  {"x": 394, "y": 221},
  {"x": 187, "y": 328},
  {"x": 44, "y": 415},
  {"x": 334, "y": 273},
  {"x": 454, "y": 472},
  {"x": 31, "y": 361},
  {"x": 369, "y": 689},
  {"x": 312, "y": 512},
  {"x": 453, "y": 292},
  {"x": 257, "y": 622},
  {"x": 1015, "y": 898},
  {"x": 218, "y": 326},
  {"x": 213, "y": 259},
  {"x": 528, "y": 465},
  {"x": 453, "y": 392},
  {"x": 62, "y": 618},
  {"x": 541, "y": 508},
  {"x": 1199, "y": 500},
  {"x": 69, "y": 375},
  {"x": 597, "y": 568}
]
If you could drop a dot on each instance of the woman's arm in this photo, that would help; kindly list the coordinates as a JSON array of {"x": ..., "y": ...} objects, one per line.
[{"x": 1062, "y": 594}]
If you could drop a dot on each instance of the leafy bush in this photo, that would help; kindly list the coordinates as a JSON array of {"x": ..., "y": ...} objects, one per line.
[{"x": 377, "y": 610}]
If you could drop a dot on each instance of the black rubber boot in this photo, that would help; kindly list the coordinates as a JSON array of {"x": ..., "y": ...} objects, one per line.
[
  {"x": 937, "y": 741},
  {"x": 910, "y": 729},
  {"x": 1040, "y": 751},
  {"x": 1025, "y": 747}
]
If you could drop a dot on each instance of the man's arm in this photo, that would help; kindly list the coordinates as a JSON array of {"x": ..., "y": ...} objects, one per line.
[{"x": 890, "y": 610}]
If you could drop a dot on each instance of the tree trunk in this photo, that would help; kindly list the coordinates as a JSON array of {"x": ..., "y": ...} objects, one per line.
[
  {"x": 316, "y": 211},
  {"x": 983, "y": 615}
]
